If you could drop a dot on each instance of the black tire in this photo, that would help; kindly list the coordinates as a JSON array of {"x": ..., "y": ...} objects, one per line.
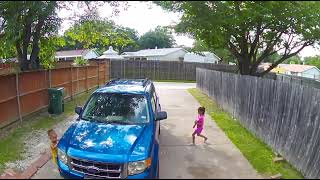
[{"x": 158, "y": 170}]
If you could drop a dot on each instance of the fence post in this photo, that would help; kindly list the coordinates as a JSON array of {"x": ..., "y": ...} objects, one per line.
[
  {"x": 124, "y": 69},
  {"x": 105, "y": 72},
  {"x": 50, "y": 79},
  {"x": 86, "y": 70},
  {"x": 110, "y": 69},
  {"x": 78, "y": 89},
  {"x": 154, "y": 70},
  {"x": 98, "y": 74},
  {"x": 18, "y": 96},
  {"x": 71, "y": 79},
  {"x": 139, "y": 68}
]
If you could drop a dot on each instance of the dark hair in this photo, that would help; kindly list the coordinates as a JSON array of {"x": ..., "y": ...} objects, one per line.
[
  {"x": 50, "y": 131},
  {"x": 202, "y": 110}
]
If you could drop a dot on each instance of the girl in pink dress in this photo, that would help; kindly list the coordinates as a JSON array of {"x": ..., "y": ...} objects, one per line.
[{"x": 200, "y": 124}]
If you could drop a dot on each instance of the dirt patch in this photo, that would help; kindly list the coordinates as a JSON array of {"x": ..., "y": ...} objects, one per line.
[{"x": 36, "y": 143}]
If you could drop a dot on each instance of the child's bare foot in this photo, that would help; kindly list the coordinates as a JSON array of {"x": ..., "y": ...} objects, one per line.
[{"x": 205, "y": 139}]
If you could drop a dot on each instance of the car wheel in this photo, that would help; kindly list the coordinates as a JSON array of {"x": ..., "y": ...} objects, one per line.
[{"x": 158, "y": 170}]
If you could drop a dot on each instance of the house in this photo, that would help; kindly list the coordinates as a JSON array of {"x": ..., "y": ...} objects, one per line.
[
  {"x": 301, "y": 70},
  {"x": 295, "y": 70},
  {"x": 163, "y": 54},
  {"x": 278, "y": 69},
  {"x": 72, "y": 54},
  {"x": 204, "y": 57},
  {"x": 110, "y": 54}
]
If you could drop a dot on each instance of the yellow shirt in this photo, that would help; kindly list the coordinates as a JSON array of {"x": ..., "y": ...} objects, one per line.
[{"x": 54, "y": 153}]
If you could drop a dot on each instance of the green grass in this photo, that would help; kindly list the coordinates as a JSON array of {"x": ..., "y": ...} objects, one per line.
[
  {"x": 180, "y": 81},
  {"x": 258, "y": 153},
  {"x": 12, "y": 145}
]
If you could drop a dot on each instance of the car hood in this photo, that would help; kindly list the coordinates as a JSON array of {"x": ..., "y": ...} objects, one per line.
[{"x": 112, "y": 139}]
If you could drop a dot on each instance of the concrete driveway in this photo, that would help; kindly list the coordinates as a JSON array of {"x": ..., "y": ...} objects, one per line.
[{"x": 218, "y": 158}]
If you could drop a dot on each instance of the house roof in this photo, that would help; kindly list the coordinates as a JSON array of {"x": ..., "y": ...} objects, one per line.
[
  {"x": 110, "y": 54},
  {"x": 110, "y": 51},
  {"x": 72, "y": 53},
  {"x": 296, "y": 67},
  {"x": 153, "y": 52}
]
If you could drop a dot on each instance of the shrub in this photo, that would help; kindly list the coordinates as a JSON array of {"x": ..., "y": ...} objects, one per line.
[{"x": 80, "y": 62}]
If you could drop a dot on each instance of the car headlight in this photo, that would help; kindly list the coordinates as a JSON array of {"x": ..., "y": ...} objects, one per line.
[
  {"x": 138, "y": 166},
  {"x": 62, "y": 156}
]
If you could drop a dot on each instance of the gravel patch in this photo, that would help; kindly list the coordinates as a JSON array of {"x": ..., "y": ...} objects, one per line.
[{"x": 36, "y": 143}]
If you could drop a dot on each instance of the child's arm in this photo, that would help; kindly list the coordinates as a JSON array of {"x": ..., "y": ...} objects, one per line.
[
  {"x": 195, "y": 123},
  {"x": 53, "y": 146}
]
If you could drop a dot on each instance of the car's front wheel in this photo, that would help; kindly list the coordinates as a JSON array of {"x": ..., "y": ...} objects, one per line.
[{"x": 158, "y": 171}]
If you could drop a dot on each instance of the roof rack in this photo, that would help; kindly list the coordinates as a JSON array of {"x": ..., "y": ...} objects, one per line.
[
  {"x": 112, "y": 80},
  {"x": 145, "y": 82}
]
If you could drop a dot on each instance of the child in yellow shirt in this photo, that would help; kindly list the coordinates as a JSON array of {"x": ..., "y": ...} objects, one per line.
[{"x": 53, "y": 146}]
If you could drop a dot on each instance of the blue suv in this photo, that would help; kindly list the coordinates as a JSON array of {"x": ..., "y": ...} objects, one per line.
[{"x": 116, "y": 134}]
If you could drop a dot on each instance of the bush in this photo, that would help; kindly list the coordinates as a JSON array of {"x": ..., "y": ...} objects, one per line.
[{"x": 80, "y": 62}]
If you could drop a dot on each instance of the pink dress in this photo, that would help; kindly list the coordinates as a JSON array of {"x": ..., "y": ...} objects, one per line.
[{"x": 200, "y": 124}]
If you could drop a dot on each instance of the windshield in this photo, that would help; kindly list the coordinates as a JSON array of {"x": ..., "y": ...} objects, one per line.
[{"x": 117, "y": 108}]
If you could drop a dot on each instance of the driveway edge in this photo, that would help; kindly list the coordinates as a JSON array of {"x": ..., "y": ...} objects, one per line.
[{"x": 31, "y": 170}]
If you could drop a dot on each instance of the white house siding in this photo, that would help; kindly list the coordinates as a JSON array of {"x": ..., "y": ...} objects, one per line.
[
  {"x": 207, "y": 58},
  {"x": 191, "y": 57},
  {"x": 311, "y": 73},
  {"x": 90, "y": 55},
  {"x": 175, "y": 56}
]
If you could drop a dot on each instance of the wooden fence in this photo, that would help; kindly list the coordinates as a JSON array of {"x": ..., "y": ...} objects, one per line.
[
  {"x": 27, "y": 92},
  {"x": 161, "y": 70},
  {"x": 284, "y": 115}
]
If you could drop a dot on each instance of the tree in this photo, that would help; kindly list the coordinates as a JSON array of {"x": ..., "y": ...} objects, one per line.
[
  {"x": 223, "y": 54},
  {"x": 293, "y": 60},
  {"x": 160, "y": 37},
  {"x": 272, "y": 58},
  {"x": 100, "y": 33},
  {"x": 248, "y": 27},
  {"x": 24, "y": 24},
  {"x": 313, "y": 60},
  {"x": 128, "y": 33}
]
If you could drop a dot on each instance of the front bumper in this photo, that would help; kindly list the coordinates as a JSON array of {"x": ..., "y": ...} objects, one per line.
[{"x": 66, "y": 173}]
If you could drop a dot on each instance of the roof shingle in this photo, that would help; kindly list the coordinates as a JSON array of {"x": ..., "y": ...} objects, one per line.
[{"x": 69, "y": 53}]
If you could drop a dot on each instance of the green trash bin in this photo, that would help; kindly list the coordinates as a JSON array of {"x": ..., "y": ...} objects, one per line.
[{"x": 56, "y": 100}]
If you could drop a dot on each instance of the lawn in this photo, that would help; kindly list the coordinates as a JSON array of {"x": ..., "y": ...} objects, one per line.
[
  {"x": 258, "y": 153},
  {"x": 12, "y": 145}
]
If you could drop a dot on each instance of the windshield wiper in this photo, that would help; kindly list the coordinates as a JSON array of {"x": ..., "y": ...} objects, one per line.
[
  {"x": 90, "y": 118},
  {"x": 119, "y": 122}
]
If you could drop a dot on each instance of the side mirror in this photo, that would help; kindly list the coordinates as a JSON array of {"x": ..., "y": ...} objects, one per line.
[
  {"x": 78, "y": 110},
  {"x": 161, "y": 115}
]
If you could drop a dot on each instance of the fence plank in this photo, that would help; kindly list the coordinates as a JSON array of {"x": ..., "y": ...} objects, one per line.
[
  {"x": 161, "y": 70},
  {"x": 284, "y": 115},
  {"x": 32, "y": 88}
]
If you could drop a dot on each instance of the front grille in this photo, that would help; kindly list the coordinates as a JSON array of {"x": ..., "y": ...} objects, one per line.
[{"x": 97, "y": 169}]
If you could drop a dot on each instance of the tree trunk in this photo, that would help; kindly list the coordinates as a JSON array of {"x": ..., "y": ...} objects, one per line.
[
  {"x": 24, "y": 65},
  {"x": 244, "y": 66},
  {"x": 34, "y": 58}
]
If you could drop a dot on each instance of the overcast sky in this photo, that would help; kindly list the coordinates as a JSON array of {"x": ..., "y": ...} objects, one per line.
[{"x": 144, "y": 16}]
